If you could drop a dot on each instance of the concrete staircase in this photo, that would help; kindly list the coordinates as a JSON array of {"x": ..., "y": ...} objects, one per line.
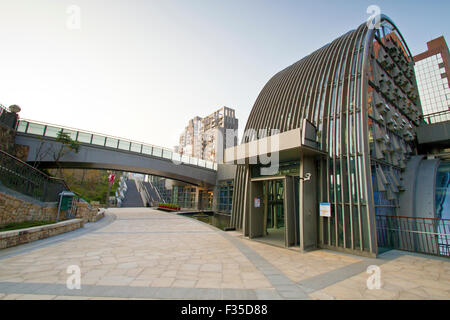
[{"x": 132, "y": 197}]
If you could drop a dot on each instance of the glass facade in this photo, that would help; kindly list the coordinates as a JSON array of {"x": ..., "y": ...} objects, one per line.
[
  {"x": 184, "y": 196},
  {"x": 225, "y": 198},
  {"x": 443, "y": 191},
  {"x": 433, "y": 87}
]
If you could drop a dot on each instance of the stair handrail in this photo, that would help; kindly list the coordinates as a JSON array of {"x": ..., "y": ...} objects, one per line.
[
  {"x": 18, "y": 175},
  {"x": 141, "y": 190}
]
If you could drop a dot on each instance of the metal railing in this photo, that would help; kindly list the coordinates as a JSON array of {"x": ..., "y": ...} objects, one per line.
[
  {"x": 23, "y": 178},
  {"x": 154, "y": 187},
  {"x": 97, "y": 139},
  {"x": 143, "y": 191},
  {"x": 422, "y": 235},
  {"x": 437, "y": 117},
  {"x": 164, "y": 194}
]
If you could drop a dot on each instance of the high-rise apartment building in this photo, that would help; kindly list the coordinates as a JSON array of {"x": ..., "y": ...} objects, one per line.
[
  {"x": 433, "y": 80},
  {"x": 207, "y": 137},
  {"x": 189, "y": 138}
]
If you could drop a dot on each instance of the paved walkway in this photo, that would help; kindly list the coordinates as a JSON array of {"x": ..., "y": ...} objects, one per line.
[{"x": 148, "y": 254}]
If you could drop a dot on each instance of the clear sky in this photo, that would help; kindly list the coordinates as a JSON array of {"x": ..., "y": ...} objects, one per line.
[{"x": 141, "y": 69}]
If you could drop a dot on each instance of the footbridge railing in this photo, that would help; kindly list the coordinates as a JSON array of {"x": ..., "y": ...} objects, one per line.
[{"x": 96, "y": 139}]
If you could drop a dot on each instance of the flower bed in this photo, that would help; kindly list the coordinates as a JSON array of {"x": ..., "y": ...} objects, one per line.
[{"x": 169, "y": 207}]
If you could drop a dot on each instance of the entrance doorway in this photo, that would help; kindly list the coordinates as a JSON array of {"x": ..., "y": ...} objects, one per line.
[
  {"x": 275, "y": 227},
  {"x": 274, "y": 210}
]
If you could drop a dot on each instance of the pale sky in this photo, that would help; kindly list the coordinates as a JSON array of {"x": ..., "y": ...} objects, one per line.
[{"x": 141, "y": 69}]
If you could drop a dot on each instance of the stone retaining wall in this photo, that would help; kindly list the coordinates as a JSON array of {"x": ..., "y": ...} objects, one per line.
[
  {"x": 7, "y": 136},
  {"x": 16, "y": 237},
  {"x": 92, "y": 214},
  {"x": 7, "y": 143},
  {"x": 13, "y": 210}
]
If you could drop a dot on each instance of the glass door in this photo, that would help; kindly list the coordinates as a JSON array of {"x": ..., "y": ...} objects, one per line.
[{"x": 275, "y": 205}]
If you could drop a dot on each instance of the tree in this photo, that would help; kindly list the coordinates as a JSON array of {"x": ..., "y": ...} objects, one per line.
[
  {"x": 41, "y": 153},
  {"x": 67, "y": 145}
]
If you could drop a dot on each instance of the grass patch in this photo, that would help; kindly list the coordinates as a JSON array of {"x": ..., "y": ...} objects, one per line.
[{"x": 24, "y": 225}]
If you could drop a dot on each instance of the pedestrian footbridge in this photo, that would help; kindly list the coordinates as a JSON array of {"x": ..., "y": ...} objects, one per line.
[{"x": 99, "y": 151}]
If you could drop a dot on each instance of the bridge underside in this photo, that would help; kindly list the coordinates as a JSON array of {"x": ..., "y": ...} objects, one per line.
[{"x": 92, "y": 157}]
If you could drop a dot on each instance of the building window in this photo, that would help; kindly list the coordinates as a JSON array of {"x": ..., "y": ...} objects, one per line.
[{"x": 225, "y": 196}]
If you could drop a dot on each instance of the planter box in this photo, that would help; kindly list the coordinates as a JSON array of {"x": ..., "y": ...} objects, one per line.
[
  {"x": 20, "y": 236},
  {"x": 168, "y": 209}
]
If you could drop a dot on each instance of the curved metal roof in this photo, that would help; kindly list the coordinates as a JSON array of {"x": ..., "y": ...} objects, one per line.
[{"x": 305, "y": 89}]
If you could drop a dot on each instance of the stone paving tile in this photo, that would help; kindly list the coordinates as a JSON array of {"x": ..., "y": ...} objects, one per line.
[
  {"x": 139, "y": 247},
  {"x": 406, "y": 277},
  {"x": 36, "y": 297},
  {"x": 270, "y": 294},
  {"x": 13, "y": 296},
  {"x": 149, "y": 254},
  {"x": 71, "y": 298},
  {"x": 298, "y": 266}
]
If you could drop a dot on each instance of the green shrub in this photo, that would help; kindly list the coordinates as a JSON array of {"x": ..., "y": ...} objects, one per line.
[
  {"x": 25, "y": 224},
  {"x": 169, "y": 206}
]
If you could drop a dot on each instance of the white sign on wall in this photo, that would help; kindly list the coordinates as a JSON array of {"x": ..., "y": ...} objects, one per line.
[{"x": 325, "y": 209}]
